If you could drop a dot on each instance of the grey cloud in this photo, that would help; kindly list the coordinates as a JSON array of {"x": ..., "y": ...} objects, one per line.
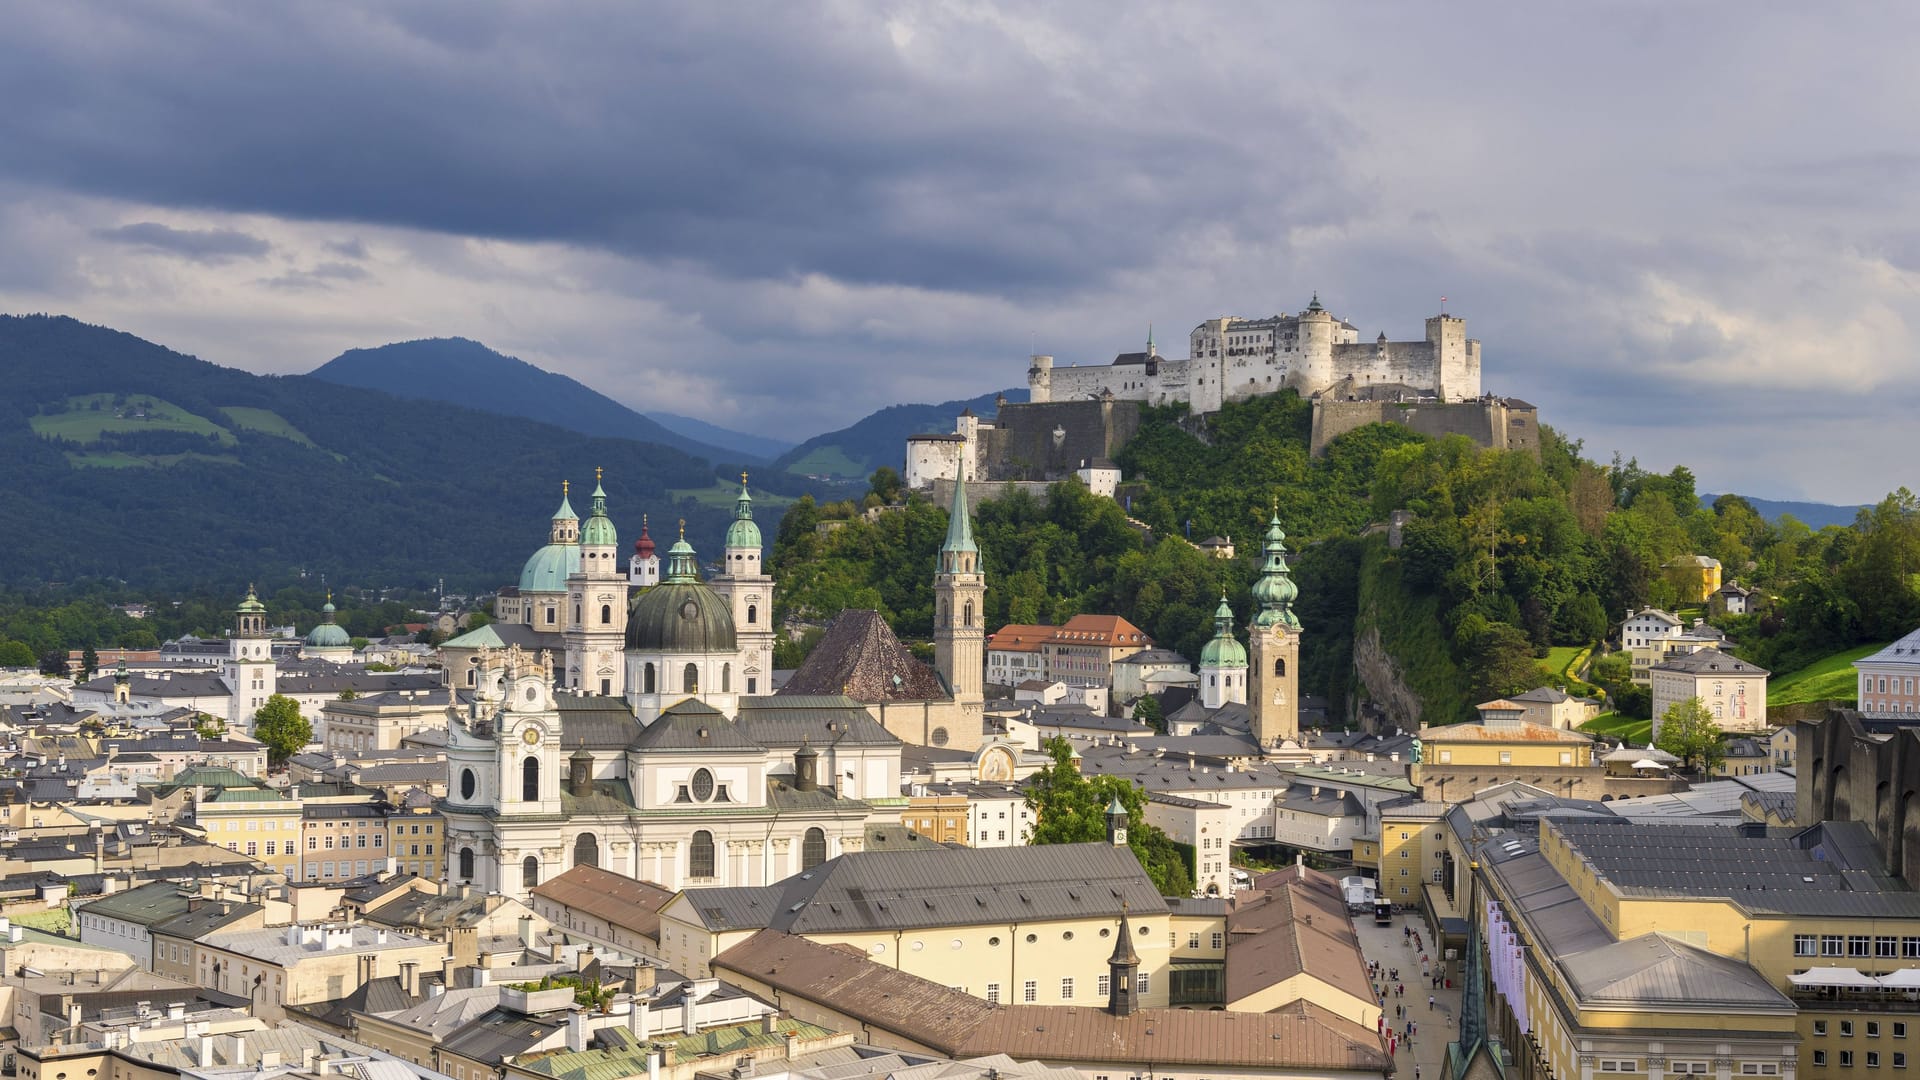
[
  {"x": 317, "y": 277},
  {"x": 199, "y": 245}
]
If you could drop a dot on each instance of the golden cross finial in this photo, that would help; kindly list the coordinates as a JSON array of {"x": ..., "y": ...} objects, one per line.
[
  {"x": 564, "y": 488},
  {"x": 683, "y": 528},
  {"x": 596, "y": 474},
  {"x": 329, "y": 596},
  {"x": 743, "y": 478}
]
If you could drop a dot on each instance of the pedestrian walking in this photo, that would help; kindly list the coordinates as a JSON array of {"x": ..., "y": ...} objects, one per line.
[
  {"x": 1416, "y": 1072},
  {"x": 1429, "y": 1002}
]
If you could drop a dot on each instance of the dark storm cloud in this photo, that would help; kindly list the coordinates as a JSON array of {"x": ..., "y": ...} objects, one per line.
[
  {"x": 200, "y": 245},
  {"x": 785, "y": 143}
]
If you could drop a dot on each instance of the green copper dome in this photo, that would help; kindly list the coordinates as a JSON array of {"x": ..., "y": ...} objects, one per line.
[
  {"x": 681, "y": 614},
  {"x": 743, "y": 533},
  {"x": 328, "y": 636},
  {"x": 598, "y": 529},
  {"x": 1275, "y": 591},
  {"x": 549, "y": 568},
  {"x": 251, "y": 605},
  {"x": 1223, "y": 650}
]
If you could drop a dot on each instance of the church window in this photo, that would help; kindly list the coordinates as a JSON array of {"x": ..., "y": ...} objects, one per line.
[
  {"x": 549, "y": 616},
  {"x": 752, "y": 684},
  {"x": 939, "y": 737},
  {"x": 606, "y": 614},
  {"x": 467, "y": 783},
  {"x": 702, "y": 785},
  {"x": 813, "y": 849},
  {"x": 470, "y": 677},
  {"x": 690, "y": 679},
  {"x": 530, "y": 780},
  {"x": 700, "y": 855},
  {"x": 606, "y": 687},
  {"x": 466, "y": 864},
  {"x": 726, "y": 678},
  {"x": 576, "y": 614},
  {"x": 647, "y": 677},
  {"x": 586, "y": 850},
  {"x": 967, "y": 618},
  {"x": 753, "y": 613},
  {"x": 1279, "y": 667},
  {"x": 529, "y": 871}
]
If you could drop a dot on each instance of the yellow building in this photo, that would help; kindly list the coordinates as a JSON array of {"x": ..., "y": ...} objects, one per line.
[
  {"x": 414, "y": 838},
  {"x": 1411, "y": 849},
  {"x": 1695, "y": 577},
  {"x": 1511, "y": 742},
  {"x": 942, "y": 818},
  {"x": 242, "y": 816}
]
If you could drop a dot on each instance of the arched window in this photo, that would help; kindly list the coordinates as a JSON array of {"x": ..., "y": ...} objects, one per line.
[
  {"x": 586, "y": 850},
  {"x": 967, "y": 619},
  {"x": 726, "y": 678},
  {"x": 466, "y": 864},
  {"x": 648, "y": 674},
  {"x": 530, "y": 780},
  {"x": 700, "y": 855},
  {"x": 690, "y": 679},
  {"x": 753, "y": 614},
  {"x": 1213, "y": 680},
  {"x": 813, "y": 850},
  {"x": 530, "y": 871},
  {"x": 1279, "y": 667},
  {"x": 606, "y": 614}
]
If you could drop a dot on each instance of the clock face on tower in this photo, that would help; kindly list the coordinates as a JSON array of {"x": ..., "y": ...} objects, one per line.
[{"x": 531, "y": 736}]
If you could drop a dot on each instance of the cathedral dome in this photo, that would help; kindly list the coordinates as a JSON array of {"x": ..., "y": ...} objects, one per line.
[
  {"x": 549, "y": 568},
  {"x": 681, "y": 614},
  {"x": 328, "y": 635},
  {"x": 743, "y": 533},
  {"x": 1223, "y": 650}
]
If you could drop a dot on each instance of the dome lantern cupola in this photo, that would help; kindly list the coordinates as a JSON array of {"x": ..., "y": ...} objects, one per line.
[
  {"x": 743, "y": 533},
  {"x": 1275, "y": 590},
  {"x": 598, "y": 530}
]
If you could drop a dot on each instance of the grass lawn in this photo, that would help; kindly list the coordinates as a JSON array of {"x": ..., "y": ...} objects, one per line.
[
  {"x": 1615, "y": 726},
  {"x": 1830, "y": 678},
  {"x": 829, "y": 461},
  {"x": 82, "y": 423},
  {"x": 118, "y": 460},
  {"x": 1561, "y": 663},
  {"x": 721, "y": 496},
  {"x": 266, "y": 422}
]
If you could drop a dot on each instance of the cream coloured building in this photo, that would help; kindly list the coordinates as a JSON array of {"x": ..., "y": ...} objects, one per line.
[{"x": 1734, "y": 691}]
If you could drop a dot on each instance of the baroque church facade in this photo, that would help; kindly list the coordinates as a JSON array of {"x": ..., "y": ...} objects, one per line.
[{"x": 650, "y": 742}]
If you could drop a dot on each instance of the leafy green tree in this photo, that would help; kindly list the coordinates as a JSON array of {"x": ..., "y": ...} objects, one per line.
[
  {"x": 1687, "y": 731},
  {"x": 1499, "y": 659},
  {"x": 1147, "y": 711},
  {"x": 885, "y": 484},
  {"x": 89, "y": 662},
  {"x": 280, "y": 726},
  {"x": 16, "y": 654},
  {"x": 1071, "y": 809}
]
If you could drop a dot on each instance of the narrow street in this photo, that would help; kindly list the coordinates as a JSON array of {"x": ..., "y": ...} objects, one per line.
[{"x": 1434, "y": 1026}]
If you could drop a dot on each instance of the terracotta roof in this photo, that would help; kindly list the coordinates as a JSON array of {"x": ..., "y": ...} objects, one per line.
[
  {"x": 619, "y": 900},
  {"x": 859, "y": 656},
  {"x": 1290, "y": 925},
  {"x": 1299, "y": 1035},
  {"x": 1020, "y": 637}
]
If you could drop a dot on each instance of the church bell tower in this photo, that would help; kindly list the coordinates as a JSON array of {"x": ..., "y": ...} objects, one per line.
[
  {"x": 960, "y": 593},
  {"x": 1273, "y": 660},
  {"x": 596, "y": 630},
  {"x": 249, "y": 671},
  {"x": 749, "y": 595}
]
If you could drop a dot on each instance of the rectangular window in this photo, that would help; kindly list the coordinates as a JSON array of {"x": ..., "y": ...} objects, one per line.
[
  {"x": 1886, "y": 947},
  {"x": 993, "y": 993},
  {"x": 1859, "y": 945},
  {"x": 1143, "y": 984},
  {"x": 1819, "y": 1057},
  {"x": 1030, "y": 991},
  {"x": 1219, "y": 939},
  {"x": 1833, "y": 945},
  {"x": 1899, "y": 1029},
  {"x": 1506, "y": 757},
  {"x": 1193, "y": 940},
  {"x": 1066, "y": 989},
  {"x": 1103, "y": 985},
  {"x": 253, "y": 847},
  {"x": 1806, "y": 945},
  {"x": 1899, "y": 1059}
]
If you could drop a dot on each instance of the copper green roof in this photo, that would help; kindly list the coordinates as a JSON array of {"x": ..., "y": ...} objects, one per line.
[
  {"x": 1223, "y": 650},
  {"x": 328, "y": 635},
  {"x": 743, "y": 533},
  {"x": 252, "y": 605},
  {"x": 959, "y": 524},
  {"x": 1275, "y": 590},
  {"x": 626, "y": 1054},
  {"x": 549, "y": 568},
  {"x": 681, "y": 614},
  {"x": 599, "y": 528},
  {"x": 565, "y": 513}
]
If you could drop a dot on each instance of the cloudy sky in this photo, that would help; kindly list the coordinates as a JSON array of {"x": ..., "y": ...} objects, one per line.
[{"x": 1688, "y": 232}]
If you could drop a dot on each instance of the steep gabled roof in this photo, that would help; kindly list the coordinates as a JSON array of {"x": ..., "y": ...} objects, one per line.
[{"x": 859, "y": 656}]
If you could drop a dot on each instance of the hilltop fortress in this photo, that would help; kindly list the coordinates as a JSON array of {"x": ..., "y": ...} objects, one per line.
[
  {"x": 1233, "y": 359},
  {"x": 1078, "y": 417}
]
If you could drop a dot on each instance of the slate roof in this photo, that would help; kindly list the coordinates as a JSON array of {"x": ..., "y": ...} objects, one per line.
[
  {"x": 1905, "y": 652},
  {"x": 499, "y": 635},
  {"x": 360, "y": 682},
  {"x": 782, "y": 721},
  {"x": 1654, "y": 969},
  {"x": 598, "y": 723},
  {"x": 1293, "y": 922},
  {"x": 859, "y": 656},
  {"x": 962, "y": 886},
  {"x": 693, "y": 726},
  {"x": 500, "y": 1033},
  {"x": 212, "y": 916},
  {"x": 1298, "y": 1035},
  {"x": 1709, "y": 662},
  {"x": 735, "y": 907}
]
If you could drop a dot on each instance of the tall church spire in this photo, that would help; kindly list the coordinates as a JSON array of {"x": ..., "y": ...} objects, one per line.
[
  {"x": 959, "y": 640},
  {"x": 1275, "y": 590},
  {"x": 959, "y": 528},
  {"x": 1123, "y": 966},
  {"x": 1273, "y": 654}
]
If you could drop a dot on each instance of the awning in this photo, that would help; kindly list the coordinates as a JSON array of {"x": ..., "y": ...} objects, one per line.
[
  {"x": 1847, "y": 978},
  {"x": 1648, "y": 763},
  {"x": 1904, "y": 979}
]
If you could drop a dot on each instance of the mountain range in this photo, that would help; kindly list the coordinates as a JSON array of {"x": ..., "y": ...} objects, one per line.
[
  {"x": 880, "y": 438},
  {"x": 467, "y": 373}
]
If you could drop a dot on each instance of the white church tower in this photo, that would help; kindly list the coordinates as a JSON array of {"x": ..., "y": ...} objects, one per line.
[
  {"x": 749, "y": 594},
  {"x": 248, "y": 671},
  {"x": 643, "y": 570},
  {"x": 597, "y": 603},
  {"x": 1223, "y": 663}
]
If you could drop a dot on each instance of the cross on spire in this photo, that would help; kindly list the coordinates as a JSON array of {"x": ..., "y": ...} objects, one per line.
[
  {"x": 596, "y": 473},
  {"x": 683, "y": 528},
  {"x": 566, "y": 488}
]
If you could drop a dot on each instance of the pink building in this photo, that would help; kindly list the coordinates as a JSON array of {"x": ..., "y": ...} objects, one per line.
[{"x": 1890, "y": 679}]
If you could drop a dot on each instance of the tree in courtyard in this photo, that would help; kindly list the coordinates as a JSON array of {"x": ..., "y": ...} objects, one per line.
[
  {"x": 280, "y": 726},
  {"x": 1687, "y": 731},
  {"x": 89, "y": 663},
  {"x": 1147, "y": 710},
  {"x": 1071, "y": 809}
]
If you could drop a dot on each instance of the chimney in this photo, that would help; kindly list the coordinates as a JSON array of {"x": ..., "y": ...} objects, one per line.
[
  {"x": 410, "y": 978},
  {"x": 689, "y": 1012},
  {"x": 270, "y": 1059},
  {"x": 176, "y": 1010},
  {"x": 239, "y": 1050},
  {"x": 73, "y": 1016},
  {"x": 1300, "y": 864},
  {"x": 526, "y": 931},
  {"x": 307, "y": 1054},
  {"x": 793, "y": 1044},
  {"x": 769, "y": 1022},
  {"x": 656, "y": 1057},
  {"x": 640, "y": 1020},
  {"x": 576, "y": 1031},
  {"x": 206, "y": 1050}
]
